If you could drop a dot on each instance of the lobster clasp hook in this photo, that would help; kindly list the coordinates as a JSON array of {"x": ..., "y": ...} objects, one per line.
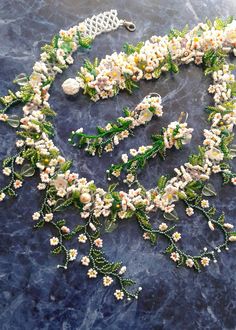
[{"x": 130, "y": 26}]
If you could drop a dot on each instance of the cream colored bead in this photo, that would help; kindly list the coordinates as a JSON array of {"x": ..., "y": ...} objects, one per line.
[
  {"x": 70, "y": 86},
  {"x": 85, "y": 198},
  {"x": 228, "y": 225},
  {"x": 211, "y": 226}
]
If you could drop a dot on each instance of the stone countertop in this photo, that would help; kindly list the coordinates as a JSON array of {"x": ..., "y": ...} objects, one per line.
[{"x": 34, "y": 294}]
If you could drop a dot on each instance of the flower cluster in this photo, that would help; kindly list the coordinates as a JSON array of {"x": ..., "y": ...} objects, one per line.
[
  {"x": 199, "y": 167},
  {"x": 37, "y": 151},
  {"x": 149, "y": 59},
  {"x": 36, "y": 148},
  {"x": 222, "y": 79},
  {"x": 110, "y": 136},
  {"x": 176, "y": 134},
  {"x": 8, "y": 101}
]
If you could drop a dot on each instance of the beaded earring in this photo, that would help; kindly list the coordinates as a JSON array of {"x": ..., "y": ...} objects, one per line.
[
  {"x": 110, "y": 136},
  {"x": 176, "y": 134}
]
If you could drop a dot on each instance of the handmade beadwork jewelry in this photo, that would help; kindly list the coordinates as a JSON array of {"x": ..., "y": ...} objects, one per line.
[
  {"x": 175, "y": 135},
  {"x": 147, "y": 60},
  {"x": 110, "y": 136},
  {"x": 206, "y": 43}
]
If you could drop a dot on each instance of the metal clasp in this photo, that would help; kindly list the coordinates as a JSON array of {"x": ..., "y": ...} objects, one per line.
[
  {"x": 154, "y": 94},
  {"x": 130, "y": 26}
]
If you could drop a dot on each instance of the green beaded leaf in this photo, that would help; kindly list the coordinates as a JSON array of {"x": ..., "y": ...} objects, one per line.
[
  {"x": 55, "y": 41},
  {"x": 107, "y": 268},
  {"x": 39, "y": 224},
  {"x": 27, "y": 170},
  {"x": 57, "y": 250},
  {"x": 95, "y": 235},
  {"x": 60, "y": 223},
  {"x": 96, "y": 253},
  {"x": 153, "y": 238},
  {"x": 181, "y": 260},
  {"x": 21, "y": 79},
  {"x": 48, "y": 111},
  {"x": 6, "y": 161},
  {"x": 162, "y": 182},
  {"x": 13, "y": 121},
  {"x": 196, "y": 264},
  {"x": 170, "y": 248},
  {"x": 68, "y": 236},
  {"x": 85, "y": 42},
  {"x": 211, "y": 211},
  {"x": 130, "y": 85},
  {"x": 130, "y": 49},
  {"x": 110, "y": 225},
  {"x": 221, "y": 218},
  {"x": 143, "y": 220},
  {"x": 174, "y": 33},
  {"x": 18, "y": 176},
  {"x": 64, "y": 204},
  {"x": 219, "y": 24},
  {"x": 209, "y": 190},
  {"x": 10, "y": 192},
  {"x": 116, "y": 266},
  {"x": 209, "y": 23},
  {"x": 172, "y": 67},
  {"x": 66, "y": 166},
  {"x": 127, "y": 282},
  {"x": 78, "y": 228},
  {"x": 101, "y": 261},
  {"x": 157, "y": 73},
  {"x": 112, "y": 187},
  {"x": 233, "y": 151},
  {"x": 172, "y": 216}
]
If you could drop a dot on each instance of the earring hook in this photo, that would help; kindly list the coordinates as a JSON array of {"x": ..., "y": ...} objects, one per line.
[
  {"x": 183, "y": 117},
  {"x": 154, "y": 94}
]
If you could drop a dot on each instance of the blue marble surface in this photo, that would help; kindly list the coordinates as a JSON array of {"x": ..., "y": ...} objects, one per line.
[{"x": 33, "y": 293}]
